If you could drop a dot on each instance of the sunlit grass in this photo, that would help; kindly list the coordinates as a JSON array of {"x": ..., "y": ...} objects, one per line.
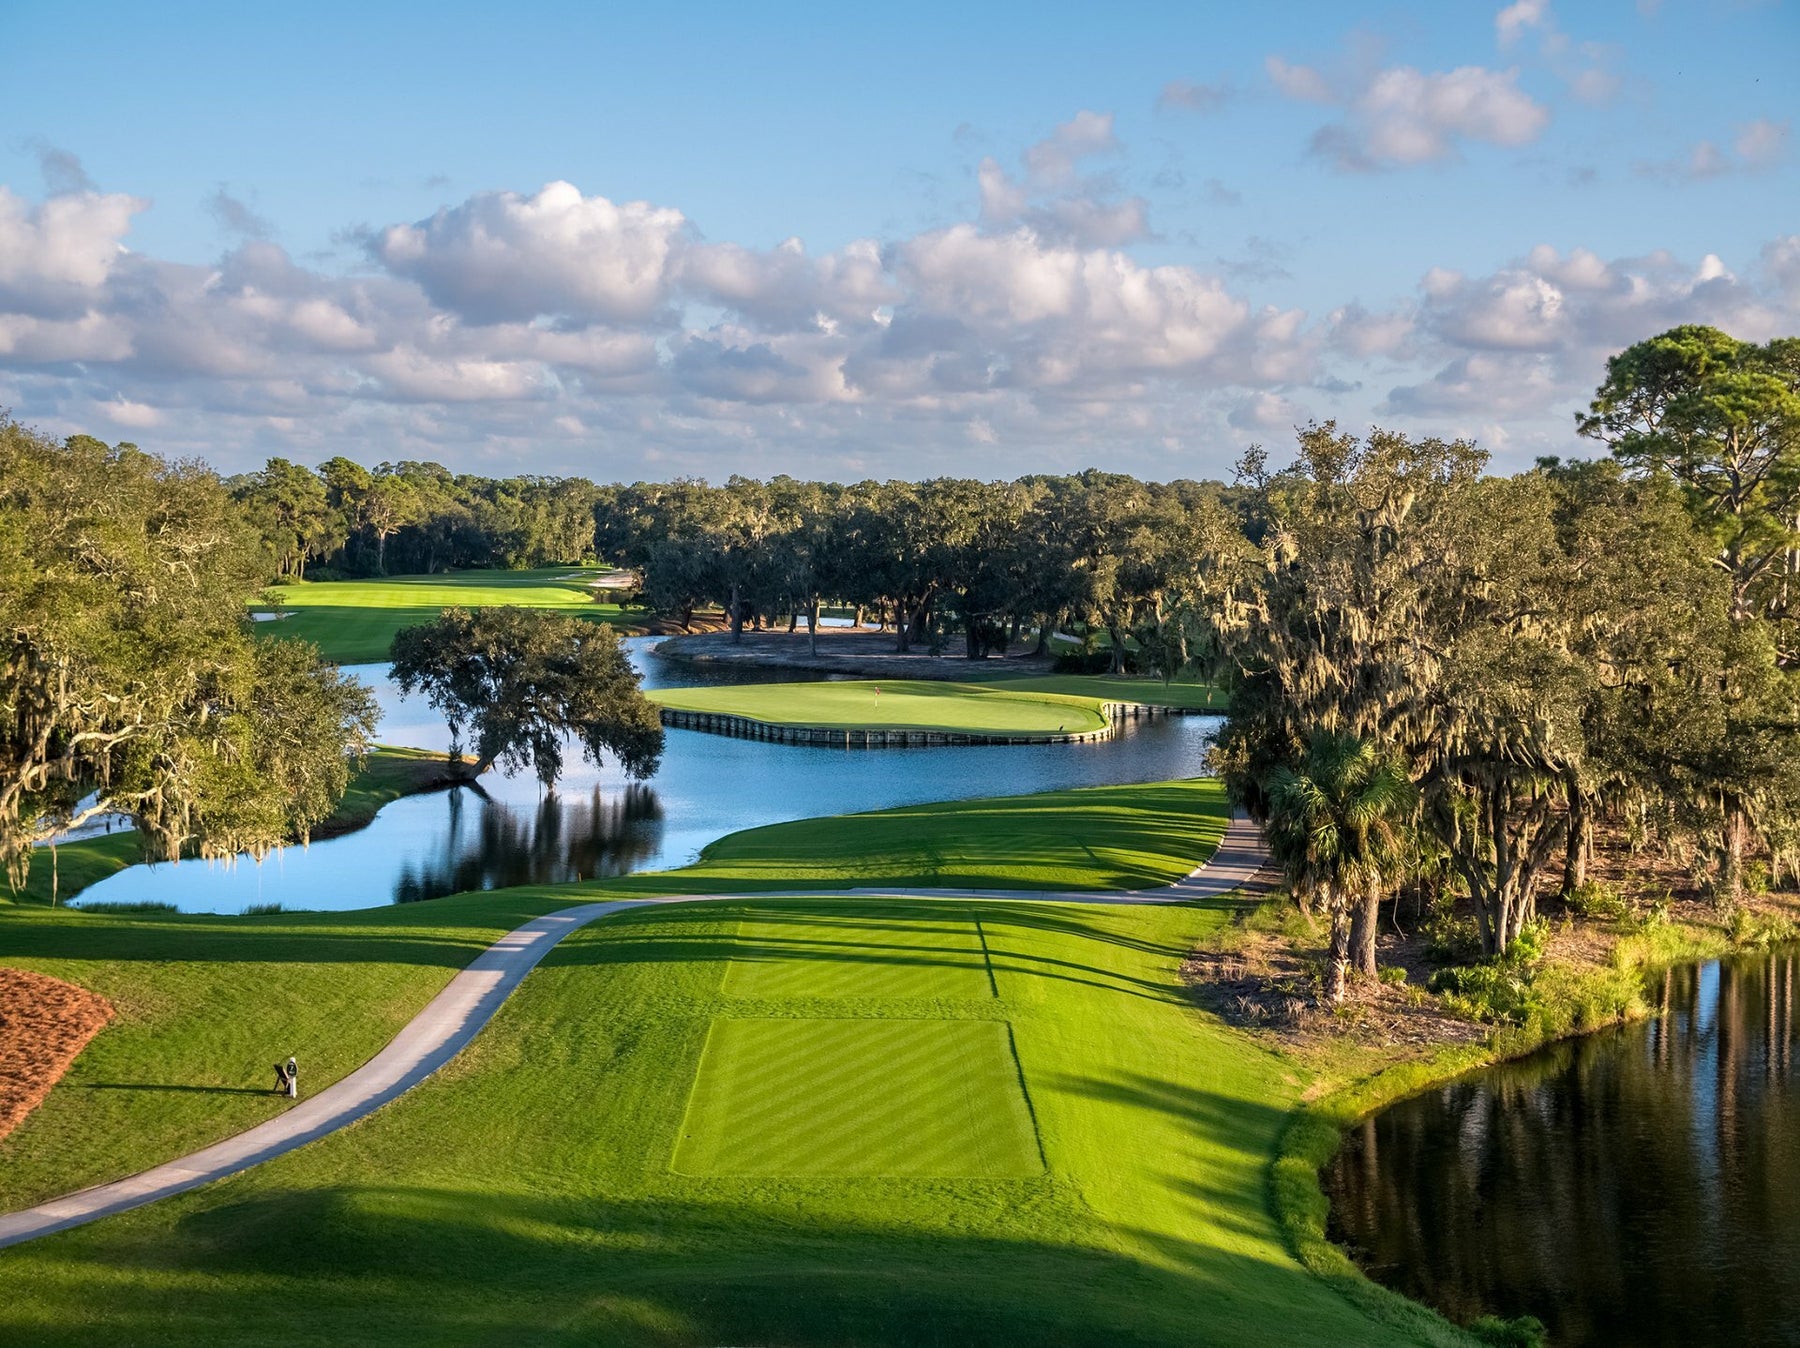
[{"x": 354, "y": 621}]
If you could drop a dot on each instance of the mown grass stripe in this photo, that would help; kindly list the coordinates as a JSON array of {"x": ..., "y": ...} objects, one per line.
[{"x": 858, "y": 1098}]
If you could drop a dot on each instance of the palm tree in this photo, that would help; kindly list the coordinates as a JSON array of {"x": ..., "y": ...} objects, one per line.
[{"x": 1337, "y": 826}]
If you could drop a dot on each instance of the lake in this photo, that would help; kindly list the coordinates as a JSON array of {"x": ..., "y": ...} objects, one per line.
[
  {"x": 598, "y": 824},
  {"x": 1639, "y": 1186}
]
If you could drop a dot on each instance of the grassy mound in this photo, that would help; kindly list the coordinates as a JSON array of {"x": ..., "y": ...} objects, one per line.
[
  {"x": 354, "y": 621},
  {"x": 895, "y": 704}
]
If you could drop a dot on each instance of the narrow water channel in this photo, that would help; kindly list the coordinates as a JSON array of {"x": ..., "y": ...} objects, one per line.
[
  {"x": 1640, "y": 1186},
  {"x": 598, "y": 824}
]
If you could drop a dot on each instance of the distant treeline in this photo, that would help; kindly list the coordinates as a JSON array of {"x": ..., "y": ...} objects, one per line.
[
  {"x": 985, "y": 564},
  {"x": 980, "y": 562},
  {"x": 345, "y": 520}
]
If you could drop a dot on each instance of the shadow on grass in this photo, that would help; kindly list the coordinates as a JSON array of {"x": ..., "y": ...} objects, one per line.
[
  {"x": 446, "y": 933},
  {"x": 393, "y": 1263},
  {"x": 163, "y": 1089},
  {"x": 871, "y": 932}
]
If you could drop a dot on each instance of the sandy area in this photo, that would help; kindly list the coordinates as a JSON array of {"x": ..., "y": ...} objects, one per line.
[{"x": 44, "y": 1023}]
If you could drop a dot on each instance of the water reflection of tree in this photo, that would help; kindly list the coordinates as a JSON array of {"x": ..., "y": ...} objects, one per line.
[
  {"x": 564, "y": 839},
  {"x": 1641, "y": 1186}
]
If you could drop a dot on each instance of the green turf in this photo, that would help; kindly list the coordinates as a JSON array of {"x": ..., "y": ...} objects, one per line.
[
  {"x": 894, "y": 704},
  {"x": 1095, "y": 837},
  {"x": 527, "y": 1192},
  {"x": 74, "y": 867},
  {"x": 866, "y": 1097},
  {"x": 388, "y": 772},
  {"x": 354, "y": 621},
  {"x": 207, "y": 1002},
  {"x": 925, "y": 951}
]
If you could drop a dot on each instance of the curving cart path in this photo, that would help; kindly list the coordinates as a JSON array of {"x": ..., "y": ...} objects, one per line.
[{"x": 456, "y": 1015}]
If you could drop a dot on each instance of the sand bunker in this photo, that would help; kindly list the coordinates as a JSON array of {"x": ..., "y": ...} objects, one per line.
[{"x": 44, "y": 1023}]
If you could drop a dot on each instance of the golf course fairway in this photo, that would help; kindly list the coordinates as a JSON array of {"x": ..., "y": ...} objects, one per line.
[
  {"x": 828, "y": 1121},
  {"x": 354, "y": 621}
]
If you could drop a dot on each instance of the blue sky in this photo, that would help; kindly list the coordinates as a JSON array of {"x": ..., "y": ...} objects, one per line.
[{"x": 1028, "y": 237}]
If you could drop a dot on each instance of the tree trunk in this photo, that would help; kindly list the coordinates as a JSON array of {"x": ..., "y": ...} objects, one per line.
[
  {"x": 1045, "y": 628},
  {"x": 1118, "y": 648},
  {"x": 737, "y": 615},
  {"x": 1580, "y": 845},
  {"x": 380, "y": 553},
  {"x": 1362, "y": 934},
  {"x": 1731, "y": 878},
  {"x": 812, "y": 624},
  {"x": 1337, "y": 964},
  {"x": 902, "y": 627}
]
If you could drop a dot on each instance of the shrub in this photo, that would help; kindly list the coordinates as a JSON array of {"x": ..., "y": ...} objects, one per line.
[
  {"x": 1497, "y": 993},
  {"x": 1452, "y": 940},
  {"x": 135, "y": 906},
  {"x": 1087, "y": 662},
  {"x": 1529, "y": 946},
  {"x": 1391, "y": 974},
  {"x": 1598, "y": 901},
  {"x": 1759, "y": 932},
  {"x": 1525, "y": 1332}
]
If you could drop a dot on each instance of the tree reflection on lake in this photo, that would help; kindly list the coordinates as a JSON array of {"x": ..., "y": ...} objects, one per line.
[
  {"x": 1640, "y": 1186},
  {"x": 563, "y": 839}
]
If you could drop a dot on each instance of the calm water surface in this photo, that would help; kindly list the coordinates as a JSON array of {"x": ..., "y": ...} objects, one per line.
[
  {"x": 598, "y": 824},
  {"x": 1636, "y": 1187}
]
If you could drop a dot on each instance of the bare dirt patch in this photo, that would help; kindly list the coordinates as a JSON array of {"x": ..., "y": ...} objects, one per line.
[
  {"x": 1267, "y": 983},
  {"x": 44, "y": 1023}
]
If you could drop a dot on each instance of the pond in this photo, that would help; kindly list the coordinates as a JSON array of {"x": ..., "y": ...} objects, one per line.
[
  {"x": 1639, "y": 1186},
  {"x": 598, "y": 824}
]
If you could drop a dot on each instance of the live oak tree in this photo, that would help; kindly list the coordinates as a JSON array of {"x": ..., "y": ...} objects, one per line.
[
  {"x": 129, "y": 681},
  {"x": 516, "y": 682}
]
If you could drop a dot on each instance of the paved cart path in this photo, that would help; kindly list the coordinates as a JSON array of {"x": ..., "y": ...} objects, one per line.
[{"x": 456, "y": 1015}]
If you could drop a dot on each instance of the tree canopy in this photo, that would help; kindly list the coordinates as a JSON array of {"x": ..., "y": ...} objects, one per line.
[
  {"x": 129, "y": 681},
  {"x": 520, "y": 681}
]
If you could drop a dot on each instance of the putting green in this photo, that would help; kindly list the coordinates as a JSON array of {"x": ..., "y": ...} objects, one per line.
[
  {"x": 858, "y": 1098},
  {"x": 894, "y": 704},
  {"x": 894, "y": 954}
]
